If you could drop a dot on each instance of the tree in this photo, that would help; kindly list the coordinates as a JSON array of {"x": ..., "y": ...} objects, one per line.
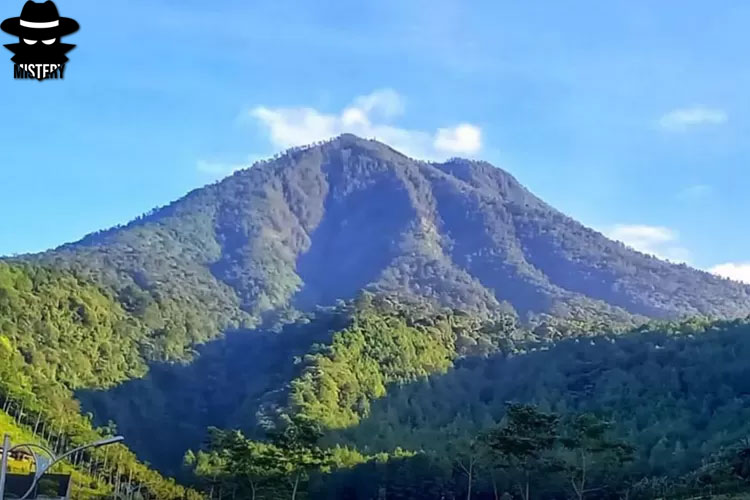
[
  {"x": 210, "y": 466},
  {"x": 466, "y": 460},
  {"x": 590, "y": 453},
  {"x": 250, "y": 462},
  {"x": 524, "y": 442},
  {"x": 291, "y": 454},
  {"x": 296, "y": 449}
]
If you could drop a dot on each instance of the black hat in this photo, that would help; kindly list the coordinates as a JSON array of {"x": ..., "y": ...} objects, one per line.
[{"x": 39, "y": 21}]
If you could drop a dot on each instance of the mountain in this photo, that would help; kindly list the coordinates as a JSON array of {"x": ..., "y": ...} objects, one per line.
[
  {"x": 474, "y": 280},
  {"x": 320, "y": 223}
]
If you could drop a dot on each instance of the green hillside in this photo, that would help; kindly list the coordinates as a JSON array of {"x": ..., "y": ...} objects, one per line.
[
  {"x": 675, "y": 395},
  {"x": 57, "y": 334}
]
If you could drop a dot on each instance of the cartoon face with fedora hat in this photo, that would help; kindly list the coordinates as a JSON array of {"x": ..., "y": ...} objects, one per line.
[{"x": 39, "y": 29}]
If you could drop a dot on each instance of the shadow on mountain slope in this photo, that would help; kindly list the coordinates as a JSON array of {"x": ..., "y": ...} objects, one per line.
[
  {"x": 678, "y": 392},
  {"x": 169, "y": 410}
]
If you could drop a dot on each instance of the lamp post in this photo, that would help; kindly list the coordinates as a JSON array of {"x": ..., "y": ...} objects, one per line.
[
  {"x": 4, "y": 465},
  {"x": 41, "y": 466}
]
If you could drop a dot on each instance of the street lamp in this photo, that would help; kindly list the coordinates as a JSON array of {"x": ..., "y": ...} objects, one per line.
[{"x": 41, "y": 464}]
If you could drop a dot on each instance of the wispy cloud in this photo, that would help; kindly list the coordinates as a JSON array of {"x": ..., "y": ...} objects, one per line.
[
  {"x": 679, "y": 120},
  {"x": 658, "y": 241},
  {"x": 369, "y": 116},
  {"x": 737, "y": 271},
  {"x": 384, "y": 102}
]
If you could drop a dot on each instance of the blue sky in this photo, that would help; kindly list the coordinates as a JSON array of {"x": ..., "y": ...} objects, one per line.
[{"x": 631, "y": 116}]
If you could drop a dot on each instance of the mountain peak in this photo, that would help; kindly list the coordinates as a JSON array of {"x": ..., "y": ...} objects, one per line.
[
  {"x": 347, "y": 139},
  {"x": 321, "y": 223},
  {"x": 365, "y": 146}
]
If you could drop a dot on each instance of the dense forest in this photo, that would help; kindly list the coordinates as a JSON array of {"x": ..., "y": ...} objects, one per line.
[
  {"x": 661, "y": 411},
  {"x": 57, "y": 334},
  {"x": 393, "y": 395}
]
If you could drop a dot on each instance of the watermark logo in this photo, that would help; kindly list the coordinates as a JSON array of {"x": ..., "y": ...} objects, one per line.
[{"x": 39, "y": 53}]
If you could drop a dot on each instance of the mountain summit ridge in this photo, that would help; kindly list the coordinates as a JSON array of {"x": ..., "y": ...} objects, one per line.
[{"x": 320, "y": 223}]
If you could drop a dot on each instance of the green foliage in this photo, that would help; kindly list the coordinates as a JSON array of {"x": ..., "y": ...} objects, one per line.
[
  {"x": 591, "y": 453},
  {"x": 69, "y": 331},
  {"x": 337, "y": 384},
  {"x": 59, "y": 333},
  {"x": 526, "y": 436},
  {"x": 675, "y": 392},
  {"x": 257, "y": 469},
  {"x": 525, "y": 444},
  {"x": 233, "y": 383},
  {"x": 371, "y": 379}
]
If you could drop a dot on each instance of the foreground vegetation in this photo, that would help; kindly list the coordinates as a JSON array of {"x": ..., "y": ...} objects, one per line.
[{"x": 529, "y": 454}]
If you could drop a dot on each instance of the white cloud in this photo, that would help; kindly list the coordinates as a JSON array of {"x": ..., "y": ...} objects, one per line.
[
  {"x": 464, "y": 138},
  {"x": 297, "y": 126},
  {"x": 387, "y": 102},
  {"x": 679, "y": 120},
  {"x": 658, "y": 241},
  {"x": 664, "y": 243},
  {"x": 369, "y": 116},
  {"x": 737, "y": 271}
]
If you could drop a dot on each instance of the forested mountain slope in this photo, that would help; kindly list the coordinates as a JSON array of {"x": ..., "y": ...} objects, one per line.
[
  {"x": 59, "y": 333},
  {"x": 406, "y": 402},
  {"x": 319, "y": 224},
  {"x": 405, "y": 385},
  {"x": 248, "y": 377},
  {"x": 678, "y": 391}
]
